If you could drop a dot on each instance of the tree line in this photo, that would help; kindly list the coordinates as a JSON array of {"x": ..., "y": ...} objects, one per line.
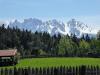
[{"x": 43, "y": 44}]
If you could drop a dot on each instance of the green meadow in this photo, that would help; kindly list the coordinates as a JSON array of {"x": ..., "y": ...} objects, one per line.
[{"x": 56, "y": 62}]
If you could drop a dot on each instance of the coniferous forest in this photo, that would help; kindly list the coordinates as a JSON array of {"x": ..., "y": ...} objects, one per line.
[{"x": 43, "y": 44}]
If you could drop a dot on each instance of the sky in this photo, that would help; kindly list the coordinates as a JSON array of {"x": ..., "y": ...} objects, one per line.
[{"x": 87, "y": 11}]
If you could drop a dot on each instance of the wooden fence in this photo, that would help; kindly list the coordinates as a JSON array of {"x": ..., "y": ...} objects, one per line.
[{"x": 81, "y": 70}]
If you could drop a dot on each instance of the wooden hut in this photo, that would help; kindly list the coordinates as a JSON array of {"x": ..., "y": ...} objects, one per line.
[{"x": 8, "y": 57}]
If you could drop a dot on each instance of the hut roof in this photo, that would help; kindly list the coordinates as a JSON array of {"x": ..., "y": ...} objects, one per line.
[{"x": 4, "y": 53}]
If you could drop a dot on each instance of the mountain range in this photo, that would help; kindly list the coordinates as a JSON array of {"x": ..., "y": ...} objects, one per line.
[{"x": 54, "y": 26}]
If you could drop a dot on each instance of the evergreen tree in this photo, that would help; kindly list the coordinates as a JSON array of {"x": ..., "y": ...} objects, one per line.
[{"x": 98, "y": 35}]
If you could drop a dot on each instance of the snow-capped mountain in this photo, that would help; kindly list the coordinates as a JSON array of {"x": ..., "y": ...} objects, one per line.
[
  {"x": 78, "y": 28},
  {"x": 54, "y": 27}
]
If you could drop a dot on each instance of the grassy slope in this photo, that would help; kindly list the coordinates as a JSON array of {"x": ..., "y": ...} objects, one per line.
[{"x": 49, "y": 62}]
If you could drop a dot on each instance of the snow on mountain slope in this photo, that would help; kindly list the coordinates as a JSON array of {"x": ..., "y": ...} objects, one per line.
[
  {"x": 54, "y": 27},
  {"x": 78, "y": 28}
]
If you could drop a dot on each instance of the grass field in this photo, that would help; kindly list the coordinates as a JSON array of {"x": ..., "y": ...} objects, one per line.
[
  {"x": 54, "y": 62},
  {"x": 49, "y": 62}
]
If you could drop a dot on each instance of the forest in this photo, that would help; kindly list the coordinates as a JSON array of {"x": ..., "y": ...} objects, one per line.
[{"x": 43, "y": 44}]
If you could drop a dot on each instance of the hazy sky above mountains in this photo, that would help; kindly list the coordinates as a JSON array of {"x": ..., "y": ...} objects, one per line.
[{"x": 87, "y": 11}]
